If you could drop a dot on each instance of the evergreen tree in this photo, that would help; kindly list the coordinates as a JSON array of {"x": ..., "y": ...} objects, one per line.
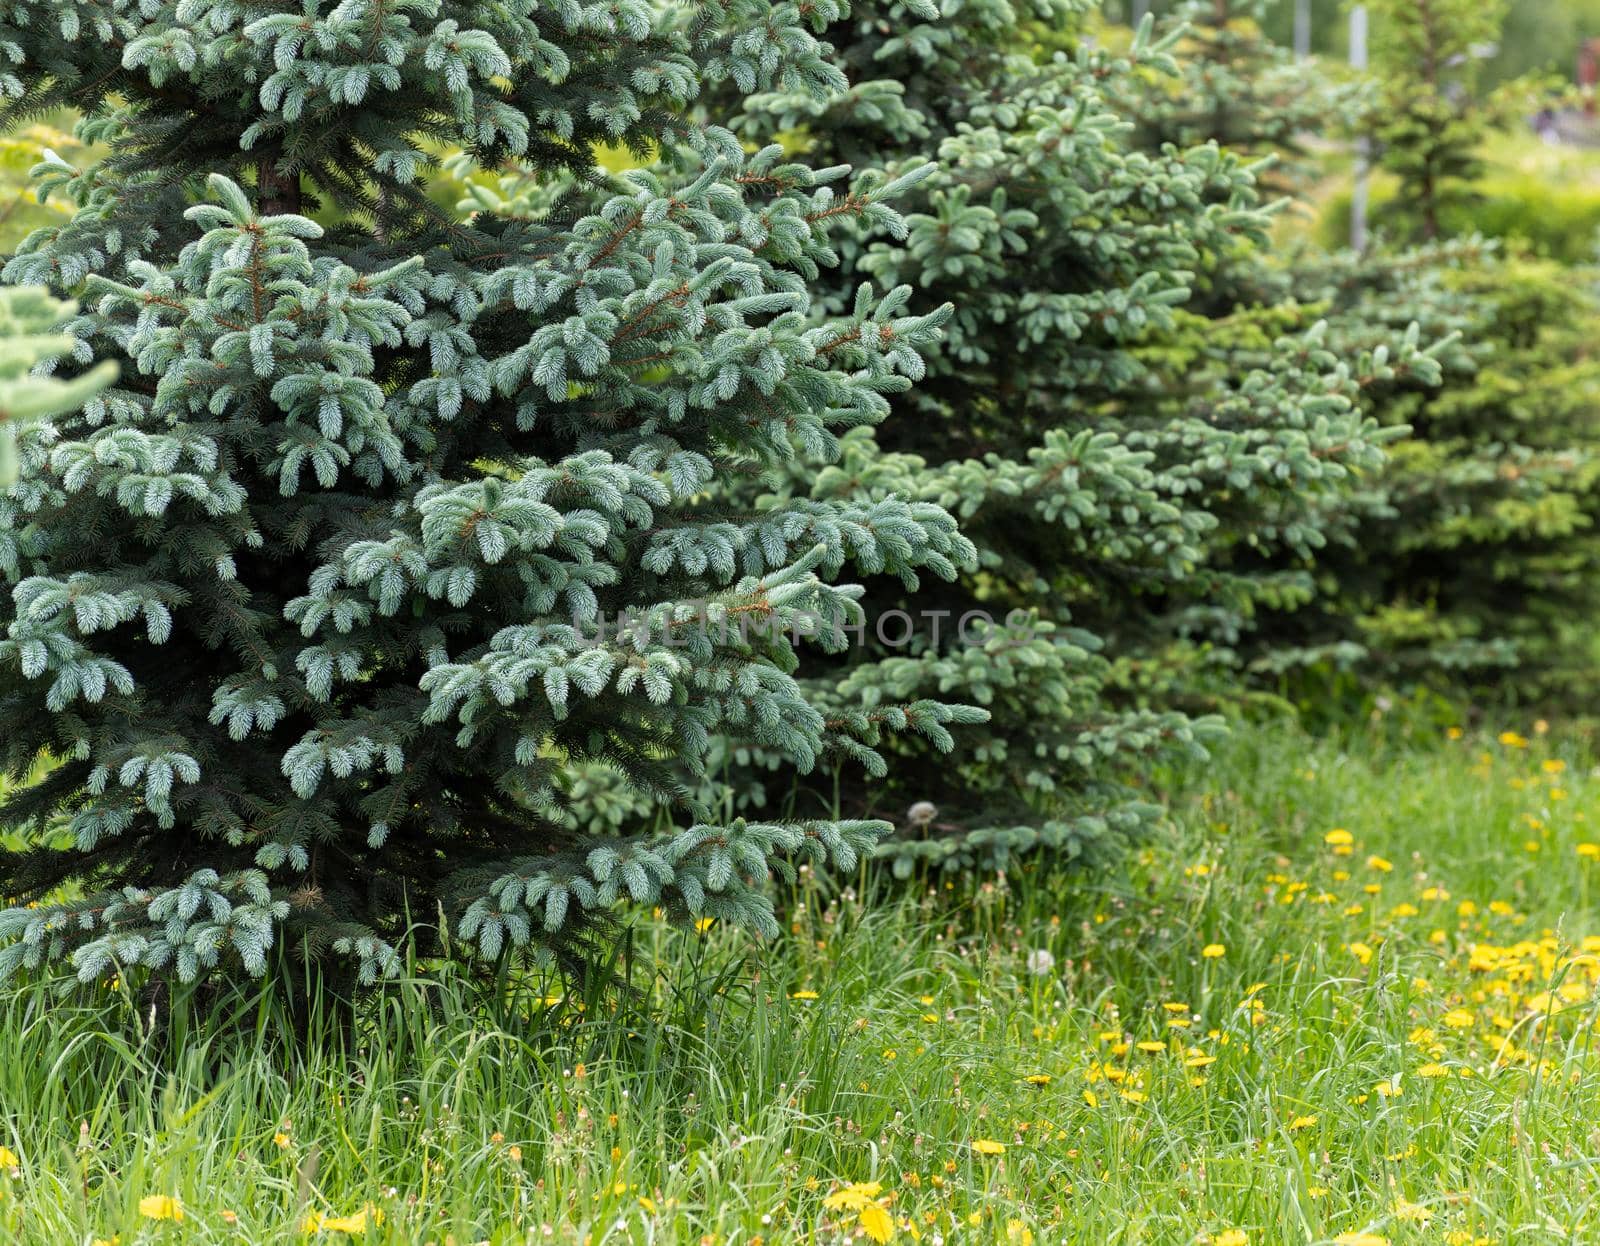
[
  {"x": 27, "y": 318},
  {"x": 1471, "y": 562},
  {"x": 1101, "y": 425},
  {"x": 1431, "y": 111},
  {"x": 1468, "y": 563},
  {"x": 320, "y": 607}
]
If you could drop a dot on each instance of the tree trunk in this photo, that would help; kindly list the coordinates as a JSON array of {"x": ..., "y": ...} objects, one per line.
[{"x": 276, "y": 193}]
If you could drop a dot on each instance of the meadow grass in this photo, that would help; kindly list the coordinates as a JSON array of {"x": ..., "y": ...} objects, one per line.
[{"x": 1392, "y": 1035}]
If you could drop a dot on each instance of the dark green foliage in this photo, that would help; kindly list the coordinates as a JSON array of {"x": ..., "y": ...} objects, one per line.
[{"x": 309, "y": 608}]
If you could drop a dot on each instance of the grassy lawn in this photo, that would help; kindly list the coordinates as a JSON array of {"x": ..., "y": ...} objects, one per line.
[{"x": 1351, "y": 994}]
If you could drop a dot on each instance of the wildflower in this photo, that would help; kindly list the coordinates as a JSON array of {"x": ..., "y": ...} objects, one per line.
[
  {"x": 1433, "y": 1070},
  {"x": 1040, "y": 962},
  {"x": 1037, "y": 1079},
  {"x": 648, "y": 1204},
  {"x": 1092, "y": 1099},
  {"x": 1380, "y": 864},
  {"x": 1213, "y": 951},
  {"x": 1017, "y": 1231},
  {"x": 1512, "y": 740},
  {"x": 1231, "y": 1237},
  {"x": 1151, "y": 1046},
  {"x": 986, "y": 1146},
  {"x": 861, "y": 1197},
  {"x": 160, "y": 1207},
  {"x": 703, "y": 924},
  {"x": 355, "y": 1224},
  {"x": 1458, "y": 1019},
  {"x": 1592, "y": 851},
  {"x": 1361, "y": 952},
  {"x": 1360, "y": 1239},
  {"x": 1338, "y": 838},
  {"x": 1302, "y": 1122},
  {"x": 9, "y": 1159},
  {"x": 804, "y": 995},
  {"x": 1414, "y": 1212}
]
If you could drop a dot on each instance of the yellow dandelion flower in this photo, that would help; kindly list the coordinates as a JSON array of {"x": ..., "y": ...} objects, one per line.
[
  {"x": 1231, "y": 1237},
  {"x": 853, "y": 1197},
  {"x": 1213, "y": 951},
  {"x": 1037, "y": 1079},
  {"x": 1019, "y": 1232},
  {"x": 1458, "y": 1019},
  {"x": 1302, "y": 1122},
  {"x": 804, "y": 995},
  {"x": 1381, "y": 864},
  {"x": 160, "y": 1207},
  {"x": 356, "y": 1224},
  {"x": 1151, "y": 1046},
  {"x": 9, "y": 1159},
  {"x": 987, "y": 1146},
  {"x": 1338, "y": 838}
]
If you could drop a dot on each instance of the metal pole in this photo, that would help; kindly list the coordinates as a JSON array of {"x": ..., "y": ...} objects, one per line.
[
  {"x": 1358, "y": 199},
  {"x": 1302, "y": 28}
]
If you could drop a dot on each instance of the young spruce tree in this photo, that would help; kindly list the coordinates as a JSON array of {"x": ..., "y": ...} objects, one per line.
[
  {"x": 1470, "y": 562},
  {"x": 1100, "y": 425},
  {"x": 318, "y": 607}
]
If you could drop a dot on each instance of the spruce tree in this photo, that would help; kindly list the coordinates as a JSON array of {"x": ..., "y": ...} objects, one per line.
[
  {"x": 1101, "y": 425},
  {"x": 1468, "y": 563},
  {"x": 319, "y": 609},
  {"x": 1431, "y": 109}
]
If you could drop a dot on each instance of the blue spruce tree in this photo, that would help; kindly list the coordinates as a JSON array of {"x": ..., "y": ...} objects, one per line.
[{"x": 320, "y": 609}]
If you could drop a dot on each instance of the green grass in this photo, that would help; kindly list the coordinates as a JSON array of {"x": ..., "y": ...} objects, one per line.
[{"x": 722, "y": 1108}]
